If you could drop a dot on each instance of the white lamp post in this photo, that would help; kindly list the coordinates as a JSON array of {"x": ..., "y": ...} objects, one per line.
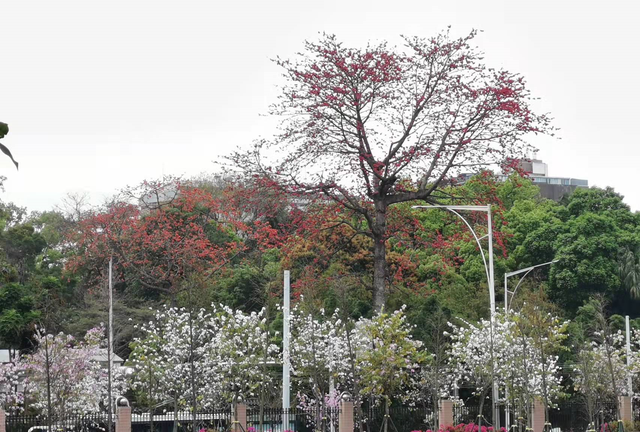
[
  {"x": 286, "y": 361},
  {"x": 489, "y": 271}
]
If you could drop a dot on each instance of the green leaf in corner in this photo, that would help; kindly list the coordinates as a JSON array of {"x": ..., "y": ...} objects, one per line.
[{"x": 6, "y": 151}]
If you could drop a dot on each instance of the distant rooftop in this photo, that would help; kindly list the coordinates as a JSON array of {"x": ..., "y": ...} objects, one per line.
[{"x": 550, "y": 187}]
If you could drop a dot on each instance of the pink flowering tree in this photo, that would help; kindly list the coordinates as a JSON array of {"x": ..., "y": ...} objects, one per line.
[
  {"x": 373, "y": 127},
  {"x": 63, "y": 377},
  {"x": 11, "y": 394}
]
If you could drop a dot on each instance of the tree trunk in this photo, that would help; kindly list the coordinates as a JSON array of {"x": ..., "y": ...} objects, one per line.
[
  {"x": 483, "y": 395},
  {"x": 386, "y": 414},
  {"x": 379, "y": 231},
  {"x": 150, "y": 396},
  {"x": 175, "y": 412},
  {"x": 48, "y": 370}
]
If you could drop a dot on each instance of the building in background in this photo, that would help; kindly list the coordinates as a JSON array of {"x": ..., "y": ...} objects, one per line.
[{"x": 554, "y": 188}]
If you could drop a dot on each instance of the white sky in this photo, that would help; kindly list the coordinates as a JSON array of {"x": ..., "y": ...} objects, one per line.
[{"x": 99, "y": 95}]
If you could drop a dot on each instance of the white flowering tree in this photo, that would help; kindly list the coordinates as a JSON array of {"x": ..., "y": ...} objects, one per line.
[
  {"x": 145, "y": 359},
  {"x": 537, "y": 337},
  {"x": 525, "y": 352},
  {"x": 471, "y": 358},
  {"x": 239, "y": 354},
  {"x": 200, "y": 359},
  {"x": 387, "y": 358},
  {"x": 436, "y": 380},
  {"x": 171, "y": 359},
  {"x": 608, "y": 354},
  {"x": 592, "y": 375},
  {"x": 322, "y": 359}
]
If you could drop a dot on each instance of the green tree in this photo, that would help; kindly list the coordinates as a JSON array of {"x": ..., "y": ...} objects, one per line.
[
  {"x": 597, "y": 225},
  {"x": 629, "y": 268}
]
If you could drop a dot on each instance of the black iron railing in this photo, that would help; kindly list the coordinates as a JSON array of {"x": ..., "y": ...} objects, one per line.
[
  {"x": 400, "y": 419},
  {"x": 219, "y": 420},
  {"x": 67, "y": 423},
  {"x": 293, "y": 419}
]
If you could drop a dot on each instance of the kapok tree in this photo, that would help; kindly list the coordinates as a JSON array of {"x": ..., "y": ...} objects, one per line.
[
  {"x": 370, "y": 128},
  {"x": 171, "y": 233}
]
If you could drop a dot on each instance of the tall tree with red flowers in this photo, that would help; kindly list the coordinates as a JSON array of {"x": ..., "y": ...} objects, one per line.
[
  {"x": 370, "y": 128},
  {"x": 161, "y": 233}
]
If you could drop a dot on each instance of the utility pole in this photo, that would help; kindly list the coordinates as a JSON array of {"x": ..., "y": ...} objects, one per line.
[
  {"x": 286, "y": 365},
  {"x": 110, "y": 342},
  {"x": 629, "y": 381}
]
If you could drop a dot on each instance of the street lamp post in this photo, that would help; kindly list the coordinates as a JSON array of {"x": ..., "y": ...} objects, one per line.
[
  {"x": 490, "y": 279},
  {"x": 526, "y": 271}
]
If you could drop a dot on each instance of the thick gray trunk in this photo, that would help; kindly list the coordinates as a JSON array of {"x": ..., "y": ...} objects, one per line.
[{"x": 379, "y": 257}]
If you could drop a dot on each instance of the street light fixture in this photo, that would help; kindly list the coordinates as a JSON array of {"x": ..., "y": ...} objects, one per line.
[
  {"x": 490, "y": 279},
  {"x": 526, "y": 271}
]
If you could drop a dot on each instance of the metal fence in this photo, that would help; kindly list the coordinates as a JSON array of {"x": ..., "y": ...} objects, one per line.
[
  {"x": 210, "y": 421},
  {"x": 67, "y": 423},
  {"x": 293, "y": 419},
  {"x": 401, "y": 419},
  {"x": 470, "y": 413},
  {"x": 573, "y": 416}
]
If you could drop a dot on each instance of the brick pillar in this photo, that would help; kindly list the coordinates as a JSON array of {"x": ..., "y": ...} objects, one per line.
[
  {"x": 537, "y": 415},
  {"x": 123, "y": 419},
  {"x": 445, "y": 413},
  {"x": 345, "y": 418},
  {"x": 239, "y": 418},
  {"x": 3, "y": 421},
  {"x": 626, "y": 414}
]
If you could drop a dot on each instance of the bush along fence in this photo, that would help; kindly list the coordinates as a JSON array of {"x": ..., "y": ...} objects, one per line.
[{"x": 242, "y": 419}]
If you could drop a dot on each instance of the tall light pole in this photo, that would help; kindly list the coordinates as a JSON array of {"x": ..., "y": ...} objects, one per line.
[
  {"x": 526, "y": 271},
  {"x": 286, "y": 398},
  {"x": 489, "y": 271},
  {"x": 110, "y": 342},
  {"x": 628, "y": 346}
]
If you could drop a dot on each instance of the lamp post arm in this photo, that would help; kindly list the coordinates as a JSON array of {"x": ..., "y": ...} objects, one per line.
[
  {"x": 526, "y": 271},
  {"x": 475, "y": 236},
  {"x": 519, "y": 282}
]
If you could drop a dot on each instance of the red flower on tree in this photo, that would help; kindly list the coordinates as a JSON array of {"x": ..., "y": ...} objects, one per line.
[{"x": 371, "y": 128}]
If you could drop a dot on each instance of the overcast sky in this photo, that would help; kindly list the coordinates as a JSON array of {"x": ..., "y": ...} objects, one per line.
[{"x": 99, "y": 95}]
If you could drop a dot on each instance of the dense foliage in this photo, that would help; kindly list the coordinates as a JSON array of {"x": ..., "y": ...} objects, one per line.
[
  {"x": 210, "y": 241},
  {"x": 390, "y": 302}
]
